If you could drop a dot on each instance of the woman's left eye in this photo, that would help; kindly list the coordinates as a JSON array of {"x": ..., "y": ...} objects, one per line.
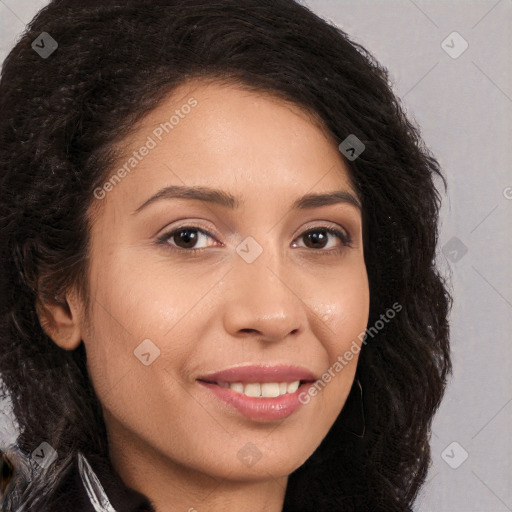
[
  {"x": 319, "y": 236},
  {"x": 186, "y": 237}
]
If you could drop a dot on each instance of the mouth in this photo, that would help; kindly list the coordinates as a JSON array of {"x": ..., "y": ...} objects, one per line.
[{"x": 260, "y": 393}]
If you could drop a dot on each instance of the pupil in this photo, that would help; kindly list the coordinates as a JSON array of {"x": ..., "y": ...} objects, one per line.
[
  {"x": 317, "y": 236},
  {"x": 190, "y": 239}
]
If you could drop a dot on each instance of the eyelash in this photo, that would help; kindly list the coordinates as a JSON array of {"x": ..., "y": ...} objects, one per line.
[{"x": 344, "y": 237}]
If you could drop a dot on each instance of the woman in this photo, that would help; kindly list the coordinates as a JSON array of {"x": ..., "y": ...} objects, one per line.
[{"x": 218, "y": 233}]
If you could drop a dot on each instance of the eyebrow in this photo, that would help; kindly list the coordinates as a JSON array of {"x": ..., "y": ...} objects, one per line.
[{"x": 222, "y": 198}]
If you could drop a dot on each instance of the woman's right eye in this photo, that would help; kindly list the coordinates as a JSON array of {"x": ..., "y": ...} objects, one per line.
[{"x": 185, "y": 237}]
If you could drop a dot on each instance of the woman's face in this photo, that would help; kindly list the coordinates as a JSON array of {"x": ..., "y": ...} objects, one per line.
[{"x": 270, "y": 297}]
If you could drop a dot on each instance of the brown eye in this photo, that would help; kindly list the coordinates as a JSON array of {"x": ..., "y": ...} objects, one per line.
[
  {"x": 185, "y": 238},
  {"x": 318, "y": 238}
]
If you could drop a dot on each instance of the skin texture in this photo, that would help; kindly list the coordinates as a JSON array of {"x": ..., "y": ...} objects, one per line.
[{"x": 296, "y": 304}]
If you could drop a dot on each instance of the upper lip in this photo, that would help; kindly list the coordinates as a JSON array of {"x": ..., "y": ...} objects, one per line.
[{"x": 260, "y": 373}]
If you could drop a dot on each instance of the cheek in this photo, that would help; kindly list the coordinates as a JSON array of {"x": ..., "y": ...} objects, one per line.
[
  {"x": 135, "y": 301},
  {"x": 343, "y": 309}
]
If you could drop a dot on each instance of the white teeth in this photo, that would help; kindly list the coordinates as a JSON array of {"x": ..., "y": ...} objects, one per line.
[
  {"x": 292, "y": 387},
  {"x": 270, "y": 389},
  {"x": 252, "y": 389},
  {"x": 262, "y": 390},
  {"x": 236, "y": 386}
]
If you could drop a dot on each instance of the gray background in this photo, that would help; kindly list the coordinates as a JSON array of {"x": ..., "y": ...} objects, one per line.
[{"x": 464, "y": 108}]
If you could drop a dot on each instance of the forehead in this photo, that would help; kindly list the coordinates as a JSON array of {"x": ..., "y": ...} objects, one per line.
[{"x": 220, "y": 135}]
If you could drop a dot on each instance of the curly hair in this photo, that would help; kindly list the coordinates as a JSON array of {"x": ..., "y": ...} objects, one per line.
[{"x": 62, "y": 119}]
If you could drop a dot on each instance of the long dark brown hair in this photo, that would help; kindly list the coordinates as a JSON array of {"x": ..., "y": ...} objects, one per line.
[{"x": 61, "y": 118}]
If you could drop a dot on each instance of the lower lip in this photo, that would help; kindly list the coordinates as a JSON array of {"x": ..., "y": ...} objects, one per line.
[{"x": 259, "y": 409}]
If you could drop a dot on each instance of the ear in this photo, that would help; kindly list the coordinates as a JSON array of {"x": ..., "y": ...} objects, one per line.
[{"x": 61, "y": 320}]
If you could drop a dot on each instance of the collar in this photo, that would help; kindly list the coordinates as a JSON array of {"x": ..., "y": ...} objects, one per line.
[{"x": 93, "y": 485}]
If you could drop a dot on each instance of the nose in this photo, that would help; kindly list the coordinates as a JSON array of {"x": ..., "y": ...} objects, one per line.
[{"x": 263, "y": 302}]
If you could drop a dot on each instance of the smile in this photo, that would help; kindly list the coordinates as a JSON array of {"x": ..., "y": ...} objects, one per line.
[{"x": 260, "y": 393}]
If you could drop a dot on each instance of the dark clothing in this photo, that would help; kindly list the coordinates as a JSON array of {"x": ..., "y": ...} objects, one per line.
[{"x": 71, "y": 495}]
